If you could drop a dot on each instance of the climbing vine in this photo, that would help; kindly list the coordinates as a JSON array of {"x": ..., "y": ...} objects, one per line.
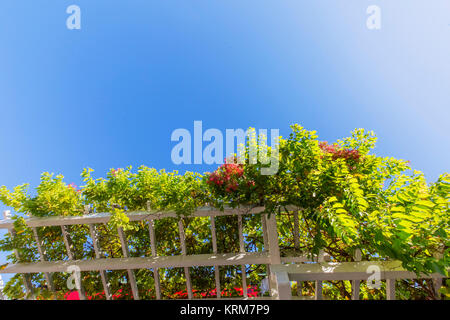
[{"x": 349, "y": 198}]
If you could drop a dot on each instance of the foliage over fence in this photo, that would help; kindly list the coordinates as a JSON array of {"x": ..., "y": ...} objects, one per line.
[{"x": 350, "y": 198}]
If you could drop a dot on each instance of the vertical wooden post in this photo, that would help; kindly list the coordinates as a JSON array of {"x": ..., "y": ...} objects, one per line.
[
  {"x": 214, "y": 246},
  {"x": 242, "y": 250},
  {"x": 68, "y": 244},
  {"x": 98, "y": 255},
  {"x": 26, "y": 277},
  {"x": 151, "y": 230},
  {"x": 390, "y": 289},
  {"x": 43, "y": 257},
  {"x": 296, "y": 231},
  {"x": 356, "y": 283},
  {"x": 297, "y": 246},
  {"x": 1, "y": 288},
  {"x": 437, "y": 283},
  {"x": 279, "y": 283},
  {"x": 272, "y": 238},
  {"x": 126, "y": 254},
  {"x": 265, "y": 240},
  {"x": 183, "y": 252},
  {"x": 299, "y": 288},
  {"x": 319, "y": 293},
  {"x": 319, "y": 285}
]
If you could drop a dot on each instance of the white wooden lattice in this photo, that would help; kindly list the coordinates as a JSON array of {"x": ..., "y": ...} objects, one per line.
[{"x": 281, "y": 270}]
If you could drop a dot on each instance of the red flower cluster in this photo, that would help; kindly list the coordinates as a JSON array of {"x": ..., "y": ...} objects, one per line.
[
  {"x": 252, "y": 292},
  {"x": 73, "y": 186},
  {"x": 340, "y": 153},
  {"x": 73, "y": 295},
  {"x": 227, "y": 176},
  {"x": 116, "y": 171}
]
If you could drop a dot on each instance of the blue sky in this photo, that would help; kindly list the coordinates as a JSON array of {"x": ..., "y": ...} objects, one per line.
[{"x": 110, "y": 95}]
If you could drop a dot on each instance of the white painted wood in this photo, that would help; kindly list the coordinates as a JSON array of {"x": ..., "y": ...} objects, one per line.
[
  {"x": 390, "y": 289},
  {"x": 295, "y": 259},
  {"x": 299, "y": 288},
  {"x": 68, "y": 244},
  {"x": 214, "y": 246},
  {"x": 242, "y": 250},
  {"x": 183, "y": 253},
  {"x": 297, "y": 246},
  {"x": 200, "y": 260},
  {"x": 104, "y": 217},
  {"x": 265, "y": 241},
  {"x": 2, "y": 297},
  {"x": 26, "y": 278},
  {"x": 437, "y": 284},
  {"x": 42, "y": 256},
  {"x": 272, "y": 238},
  {"x": 318, "y": 292},
  {"x": 151, "y": 229},
  {"x": 274, "y": 251},
  {"x": 264, "y": 232},
  {"x": 280, "y": 286},
  {"x": 296, "y": 231},
  {"x": 6, "y": 224},
  {"x": 279, "y": 275},
  {"x": 103, "y": 275},
  {"x": 126, "y": 254},
  {"x": 334, "y": 271},
  {"x": 356, "y": 283}
]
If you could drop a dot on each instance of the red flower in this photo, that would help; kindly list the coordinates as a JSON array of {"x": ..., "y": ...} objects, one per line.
[
  {"x": 228, "y": 176},
  {"x": 340, "y": 153}
]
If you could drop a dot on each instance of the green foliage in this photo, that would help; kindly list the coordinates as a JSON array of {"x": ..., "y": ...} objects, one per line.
[{"x": 349, "y": 199}]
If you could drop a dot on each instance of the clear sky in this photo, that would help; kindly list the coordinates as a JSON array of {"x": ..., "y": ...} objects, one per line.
[{"x": 110, "y": 94}]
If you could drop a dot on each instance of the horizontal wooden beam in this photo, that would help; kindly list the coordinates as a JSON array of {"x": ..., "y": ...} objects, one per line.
[
  {"x": 141, "y": 262},
  {"x": 295, "y": 259},
  {"x": 347, "y": 271},
  {"x": 103, "y": 217}
]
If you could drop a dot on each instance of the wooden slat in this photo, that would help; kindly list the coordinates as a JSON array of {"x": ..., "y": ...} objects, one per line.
[
  {"x": 272, "y": 239},
  {"x": 274, "y": 249},
  {"x": 26, "y": 278},
  {"x": 214, "y": 246},
  {"x": 437, "y": 284},
  {"x": 318, "y": 293},
  {"x": 151, "y": 230},
  {"x": 390, "y": 289},
  {"x": 266, "y": 245},
  {"x": 356, "y": 283},
  {"x": 299, "y": 288},
  {"x": 334, "y": 271},
  {"x": 103, "y": 275},
  {"x": 242, "y": 250},
  {"x": 42, "y": 257},
  {"x": 264, "y": 232},
  {"x": 296, "y": 231},
  {"x": 183, "y": 253},
  {"x": 126, "y": 254},
  {"x": 200, "y": 260},
  {"x": 104, "y": 217},
  {"x": 68, "y": 244},
  {"x": 281, "y": 286},
  {"x": 1, "y": 288},
  {"x": 297, "y": 246}
]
